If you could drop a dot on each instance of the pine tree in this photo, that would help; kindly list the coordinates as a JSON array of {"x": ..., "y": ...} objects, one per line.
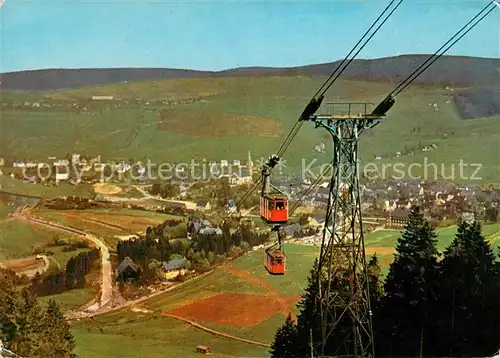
[
  {"x": 309, "y": 315},
  {"x": 374, "y": 280},
  {"x": 293, "y": 340},
  {"x": 59, "y": 341},
  {"x": 29, "y": 321},
  {"x": 469, "y": 291},
  {"x": 8, "y": 309},
  {"x": 285, "y": 340},
  {"x": 409, "y": 292}
]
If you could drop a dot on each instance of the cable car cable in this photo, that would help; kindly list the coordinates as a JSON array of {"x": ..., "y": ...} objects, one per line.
[
  {"x": 366, "y": 42},
  {"x": 354, "y": 48},
  {"x": 315, "y": 102},
  {"x": 389, "y": 100},
  {"x": 435, "y": 57},
  {"x": 409, "y": 80},
  {"x": 309, "y": 190}
]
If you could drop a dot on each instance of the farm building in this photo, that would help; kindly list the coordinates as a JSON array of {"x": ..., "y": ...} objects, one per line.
[
  {"x": 317, "y": 221},
  {"x": 397, "y": 218},
  {"x": 203, "y": 349},
  {"x": 174, "y": 268},
  {"x": 102, "y": 98},
  {"x": 202, "y": 205},
  {"x": 128, "y": 270}
]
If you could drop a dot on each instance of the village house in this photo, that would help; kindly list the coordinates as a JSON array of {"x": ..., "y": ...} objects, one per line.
[
  {"x": 403, "y": 204},
  {"x": 240, "y": 178},
  {"x": 317, "y": 221},
  {"x": 231, "y": 206},
  {"x": 210, "y": 231},
  {"x": 202, "y": 205},
  {"x": 127, "y": 271},
  {"x": 390, "y": 205},
  {"x": 397, "y": 218},
  {"x": 174, "y": 268},
  {"x": 468, "y": 217}
]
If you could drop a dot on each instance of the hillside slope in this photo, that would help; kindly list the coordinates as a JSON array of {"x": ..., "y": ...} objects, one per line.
[
  {"x": 449, "y": 70},
  {"x": 223, "y": 118}
]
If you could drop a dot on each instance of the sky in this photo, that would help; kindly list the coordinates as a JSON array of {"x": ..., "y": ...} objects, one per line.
[{"x": 216, "y": 35}]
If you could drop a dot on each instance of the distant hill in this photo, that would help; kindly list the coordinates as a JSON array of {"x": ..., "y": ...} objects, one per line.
[
  {"x": 477, "y": 102},
  {"x": 449, "y": 70}
]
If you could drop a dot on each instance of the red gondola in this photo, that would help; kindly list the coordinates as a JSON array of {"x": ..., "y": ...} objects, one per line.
[
  {"x": 274, "y": 208},
  {"x": 274, "y": 211},
  {"x": 275, "y": 261}
]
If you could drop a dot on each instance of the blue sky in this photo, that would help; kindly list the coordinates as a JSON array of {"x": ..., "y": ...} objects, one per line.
[{"x": 214, "y": 35}]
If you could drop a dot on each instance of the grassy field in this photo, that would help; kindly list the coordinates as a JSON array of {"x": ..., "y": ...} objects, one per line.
[
  {"x": 123, "y": 131},
  {"x": 383, "y": 242},
  {"x": 18, "y": 239},
  {"x": 182, "y": 339},
  {"x": 70, "y": 299},
  {"x": 135, "y": 335},
  {"x": 107, "y": 223},
  {"x": 246, "y": 280},
  {"x": 299, "y": 262},
  {"x": 16, "y": 186},
  {"x": 5, "y": 210}
]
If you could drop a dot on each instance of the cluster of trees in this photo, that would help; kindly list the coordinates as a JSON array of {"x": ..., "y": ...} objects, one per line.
[
  {"x": 70, "y": 244},
  {"x": 203, "y": 250},
  {"x": 73, "y": 276},
  {"x": 165, "y": 190},
  {"x": 491, "y": 214},
  {"x": 14, "y": 277},
  {"x": 428, "y": 305},
  {"x": 71, "y": 202},
  {"x": 28, "y": 330},
  {"x": 220, "y": 192}
]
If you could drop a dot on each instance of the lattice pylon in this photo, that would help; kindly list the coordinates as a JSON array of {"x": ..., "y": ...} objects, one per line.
[{"x": 343, "y": 289}]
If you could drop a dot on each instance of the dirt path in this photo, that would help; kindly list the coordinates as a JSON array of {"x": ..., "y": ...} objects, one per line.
[
  {"x": 255, "y": 280},
  {"x": 107, "y": 277},
  {"x": 76, "y": 315},
  {"x": 214, "y": 332}
]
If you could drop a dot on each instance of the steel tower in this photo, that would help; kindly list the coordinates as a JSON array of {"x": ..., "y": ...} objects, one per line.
[{"x": 343, "y": 287}]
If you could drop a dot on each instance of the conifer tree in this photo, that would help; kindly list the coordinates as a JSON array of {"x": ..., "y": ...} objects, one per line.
[
  {"x": 374, "y": 280},
  {"x": 285, "y": 340},
  {"x": 58, "y": 341},
  {"x": 409, "y": 292},
  {"x": 8, "y": 309},
  {"x": 30, "y": 325},
  {"x": 293, "y": 340},
  {"x": 309, "y": 314},
  {"x": 467, "y": 315}
]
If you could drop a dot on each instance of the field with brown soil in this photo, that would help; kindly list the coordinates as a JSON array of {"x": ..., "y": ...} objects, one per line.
[
  {"x": 238, "y": 310},
  {"x": 218, "y": 125},
  {"x": 23, "y": 265},
  {"x": 108, "y": 223}
]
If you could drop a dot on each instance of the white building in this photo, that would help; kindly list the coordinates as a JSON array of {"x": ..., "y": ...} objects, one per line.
[
  {"x": 102, "y": 98},
  {"x": 75, "y": 158}
]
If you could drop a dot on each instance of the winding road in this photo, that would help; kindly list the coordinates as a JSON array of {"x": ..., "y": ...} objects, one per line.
[{"x": 106, "y": 272}]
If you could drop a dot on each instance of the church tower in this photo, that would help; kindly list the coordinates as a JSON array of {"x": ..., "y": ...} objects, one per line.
[{"x": 250, "y": 163}]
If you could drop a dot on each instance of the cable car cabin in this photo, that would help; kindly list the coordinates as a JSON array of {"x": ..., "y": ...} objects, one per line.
[
  {"x": 275, "y": 262},
  {"x": 274, "y": 208}
]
